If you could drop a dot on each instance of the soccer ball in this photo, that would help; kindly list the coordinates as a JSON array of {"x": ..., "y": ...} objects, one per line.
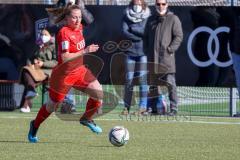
[{"x": 118, "y": 136}]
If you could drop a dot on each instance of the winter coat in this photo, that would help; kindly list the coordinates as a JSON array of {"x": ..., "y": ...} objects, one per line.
[
  {"x": 163, "y": 36},
  {"x": 48, "y": 56},
  {"x": 134, "y": 32},
  {"x": 234, "y": 37}
]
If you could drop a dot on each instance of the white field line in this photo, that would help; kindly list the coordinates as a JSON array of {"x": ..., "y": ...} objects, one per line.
[{"x": 134, "y": 120}]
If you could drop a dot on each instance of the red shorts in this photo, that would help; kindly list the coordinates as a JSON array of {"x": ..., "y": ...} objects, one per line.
[{"x": 61, "y": 82}]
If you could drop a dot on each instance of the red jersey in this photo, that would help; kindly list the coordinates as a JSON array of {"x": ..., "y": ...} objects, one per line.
[
  {"x": 72, "y": 73},
  {"x": 70, "y": 40}
]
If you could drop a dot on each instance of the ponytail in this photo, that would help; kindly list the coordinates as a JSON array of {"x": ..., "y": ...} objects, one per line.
[{"x": 59, "y": 14}]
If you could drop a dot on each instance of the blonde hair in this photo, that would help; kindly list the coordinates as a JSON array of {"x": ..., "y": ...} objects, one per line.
[{"x": 59, "y": 14}]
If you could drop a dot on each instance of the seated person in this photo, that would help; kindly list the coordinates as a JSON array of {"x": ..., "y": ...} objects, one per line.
[{"x": 39, "y": 70}]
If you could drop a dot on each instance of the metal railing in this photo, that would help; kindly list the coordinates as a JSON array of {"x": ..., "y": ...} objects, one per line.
[
  {"x": 203, "y": 101},
  {"x": 126, "y": 2}
]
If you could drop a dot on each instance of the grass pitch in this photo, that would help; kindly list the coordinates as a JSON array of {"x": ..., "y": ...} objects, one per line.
[{"x": 197, "y": 138}]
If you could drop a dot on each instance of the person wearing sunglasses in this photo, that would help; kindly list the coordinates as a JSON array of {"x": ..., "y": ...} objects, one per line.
[{"x": 163, "y": 36}]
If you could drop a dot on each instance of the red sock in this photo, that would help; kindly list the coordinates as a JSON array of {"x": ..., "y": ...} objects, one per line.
[
  {"x": 41, "y": 116},
  {"x": 91, "y": 108}
]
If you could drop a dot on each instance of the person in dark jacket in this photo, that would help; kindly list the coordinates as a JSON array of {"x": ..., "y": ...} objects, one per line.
[
  {"x": 234, "y": 40},
  {"x": 163, "y": 37},
  {"x": 134, "y": 21}
]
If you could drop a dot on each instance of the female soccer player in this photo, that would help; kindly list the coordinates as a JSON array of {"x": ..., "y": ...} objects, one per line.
[{"x": 70, "y": 72}]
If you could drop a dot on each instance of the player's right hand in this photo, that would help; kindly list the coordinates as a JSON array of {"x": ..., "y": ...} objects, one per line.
[{"x": 91, "y": 48}]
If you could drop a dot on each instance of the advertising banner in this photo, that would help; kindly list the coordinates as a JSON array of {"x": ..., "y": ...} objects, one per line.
[{"x": 203, "y": 59}]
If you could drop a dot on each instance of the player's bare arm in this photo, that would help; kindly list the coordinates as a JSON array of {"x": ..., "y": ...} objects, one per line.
[{"x": 89, "y": 49}]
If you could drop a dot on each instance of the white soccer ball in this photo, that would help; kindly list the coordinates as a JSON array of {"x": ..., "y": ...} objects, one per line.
[{"x": 118, "y": 136}]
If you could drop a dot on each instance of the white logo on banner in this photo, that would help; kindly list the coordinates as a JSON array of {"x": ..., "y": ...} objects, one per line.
[
  {"x": 39, "y": 25},
  {"x": 213, "y": 55}
]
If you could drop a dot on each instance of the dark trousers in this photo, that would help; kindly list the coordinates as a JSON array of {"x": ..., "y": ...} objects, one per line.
[
  {"x": 29, "y": 85},
  {"x": 172, "y": 90},
  {"x": 167, "y": 80}
]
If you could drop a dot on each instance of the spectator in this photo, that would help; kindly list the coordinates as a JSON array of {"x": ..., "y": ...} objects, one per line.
[
  {"x": 134, "y": 21},
  {"x": 43, "y": 61},
  {"x": 163, "y": 37},
  {"x": 18, "y": 28},
  {"x": 235, "y": 43},
  {"x": 11, "y": 51}
]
